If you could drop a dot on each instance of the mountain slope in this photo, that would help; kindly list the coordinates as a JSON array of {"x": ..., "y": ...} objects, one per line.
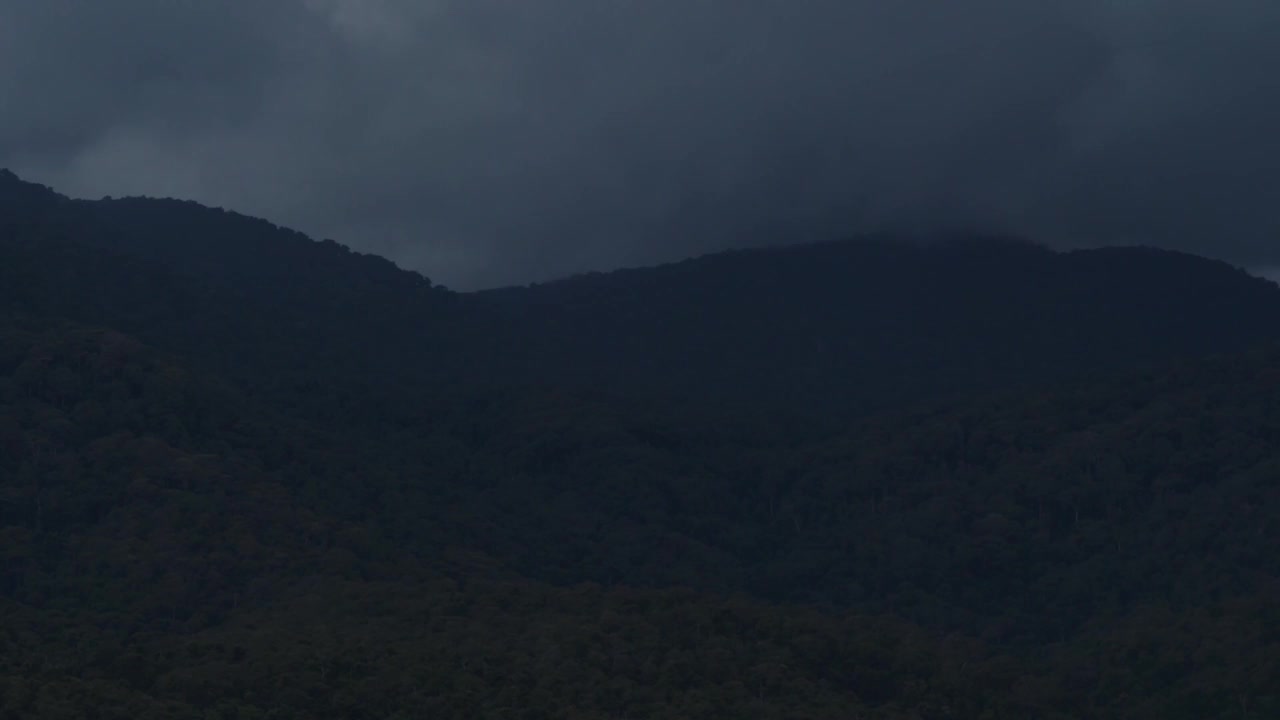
[
  {"x": 124, "y": 471},
  {"x": 243, "y": 474},
  {"x": 166, "y": 554},
  {"x": 1112, "y": 545},
  {"x": 835, "y": 330},
  {"x": 1022, "y": 515},
  {"x": 235, "y": 294},
  {"x": 862, "y": 325}
]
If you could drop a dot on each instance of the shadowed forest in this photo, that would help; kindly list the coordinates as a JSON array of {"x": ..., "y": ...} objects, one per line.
[{"x": 248, "y": 475}]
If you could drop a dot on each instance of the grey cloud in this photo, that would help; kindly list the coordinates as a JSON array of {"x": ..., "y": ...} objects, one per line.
[{"x": 494, "y": 141}]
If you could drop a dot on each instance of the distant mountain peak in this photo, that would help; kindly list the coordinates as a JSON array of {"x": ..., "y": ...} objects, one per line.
[
  {"x": 9, "y": 177},
  {"x": 18, "y": 195},
  {"x": 11, "y": 181}
]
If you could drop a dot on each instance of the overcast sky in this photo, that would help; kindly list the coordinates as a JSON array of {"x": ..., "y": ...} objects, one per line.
[{"x": 487, "y": 142}]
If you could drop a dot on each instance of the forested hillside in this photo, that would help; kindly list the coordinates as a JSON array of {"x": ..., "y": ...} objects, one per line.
[
  {"x": 840, "y": 329},
  {"x": 818, "y": 334},
  {"x": 246, "y": 475}
]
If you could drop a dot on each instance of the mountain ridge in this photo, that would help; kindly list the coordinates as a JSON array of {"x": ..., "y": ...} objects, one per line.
[
  {"x": 968, "y": 481},
  {"x": 842, "y": 328}
]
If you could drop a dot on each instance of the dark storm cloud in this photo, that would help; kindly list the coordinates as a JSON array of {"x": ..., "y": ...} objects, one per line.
[{"x": 491, "y": 141}]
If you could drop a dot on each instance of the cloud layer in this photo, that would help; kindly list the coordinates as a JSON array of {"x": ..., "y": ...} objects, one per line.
[{"x": 486, "y": 142}]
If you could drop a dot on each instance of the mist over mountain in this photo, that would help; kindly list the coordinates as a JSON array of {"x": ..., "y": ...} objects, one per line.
[
  {"x": 487, "y": 143},
  {"x": 246, "y": 474}
]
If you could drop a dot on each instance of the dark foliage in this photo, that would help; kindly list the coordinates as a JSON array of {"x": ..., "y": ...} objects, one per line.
[
  {"x": 840, "y": 329},
  {"x": 246, "y": 475}
]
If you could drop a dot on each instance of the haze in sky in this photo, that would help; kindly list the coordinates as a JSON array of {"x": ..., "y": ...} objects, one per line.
[{"x": 487, "y": 142}]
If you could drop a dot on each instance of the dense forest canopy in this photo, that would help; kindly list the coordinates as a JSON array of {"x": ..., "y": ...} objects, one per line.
[{"x": 244, "y": 474}]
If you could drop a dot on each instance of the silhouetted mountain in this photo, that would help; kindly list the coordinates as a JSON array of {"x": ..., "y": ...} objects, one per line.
[
  {"x": 211, "y": 245},
  {"x": 861, "y": 325},
  {"x": 244, "y": 474},
  {"x": 171, "y": 545},
  {"x": 170, "y": 548},
  {"x": 834, "y": 330},
  {"x": 233, "y": 293}
]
